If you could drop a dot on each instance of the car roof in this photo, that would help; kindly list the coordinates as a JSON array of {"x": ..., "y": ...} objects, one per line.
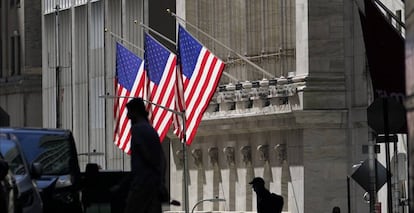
[{"x": 34, "y": 130}]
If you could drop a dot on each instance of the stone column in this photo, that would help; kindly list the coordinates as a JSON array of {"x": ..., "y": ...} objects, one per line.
[
  {"x": 246, "y": 152},
  {"x": 231, "y": 162},
  {"x": 281, "y": 155},
  {"x": 201, "y": 177},
  {"x": 214, "y": 159},
  {"x": 267, "y": 170}
]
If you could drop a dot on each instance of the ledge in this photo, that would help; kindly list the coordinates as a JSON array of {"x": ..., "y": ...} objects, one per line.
[{"x": 279, "y": 95}]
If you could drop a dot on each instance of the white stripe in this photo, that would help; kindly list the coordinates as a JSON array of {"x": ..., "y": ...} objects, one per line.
[
  {"x": 197, "y": 111},
  {"x": 140, "y": 75},
  {"x": 203, "y": 81},
  {"x": 127, "y": 148},
  {"x": 123, "y": 117},
  {"x": 162, "y": 99},
  {"x": 196, "y": 68},
  {"x": 203, "y": 102}
]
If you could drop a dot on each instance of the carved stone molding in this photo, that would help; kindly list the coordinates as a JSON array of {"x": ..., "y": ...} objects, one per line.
[
  {"x": 180, "y": 159},
  {"x": 213, "y": 153},
  {"x": 246, "y": 152},
  {"x": 264, "y": 152},
  {"x": 198, "y": 157},
  {"x": 281, "y": 153},
  {"x": 230, "y": 156}
]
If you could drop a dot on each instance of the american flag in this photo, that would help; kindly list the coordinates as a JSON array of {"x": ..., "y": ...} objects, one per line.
[
  {"x": 160, "y": 65},
  {"x": 130, "y": 81},
  {"x": 200, "y": 72}
]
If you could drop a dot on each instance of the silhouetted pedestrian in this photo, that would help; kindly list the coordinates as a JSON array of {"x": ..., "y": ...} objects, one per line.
[
  {"x": 267, "y": 202},
  {"x": 147, "y": 162}
]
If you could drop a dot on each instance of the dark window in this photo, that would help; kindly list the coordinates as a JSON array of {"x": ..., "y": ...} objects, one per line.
[
  {"x": 12, "y": 155},
  {"x": 1, "y": 55},
  {"x": 54, "y": 152},
  {"x": 15, "y": 54}
]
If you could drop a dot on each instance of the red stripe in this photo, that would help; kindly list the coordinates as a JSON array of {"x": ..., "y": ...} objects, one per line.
[
  {"x": 163, "y": 95},
  {"x": 127, "y": 140},
  {"x": 204, "y": 86},
  {"x": 120, "y": 127},
  {"x": 163, "y": 117},
  {"x": 198, "y": 101},
  {"x": 204, "y": 107},
  {"x": 163, "y": 92},
  {"x": 197, "y": 79},
  {"x": 122, "y": 111},
  {"x": 118, "y": 121}
]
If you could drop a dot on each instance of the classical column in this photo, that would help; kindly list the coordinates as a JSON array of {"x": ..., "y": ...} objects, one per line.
[
  {"x": 180, "y": 165},
  {"x": 267, "y": 170},
  {"x": 281, "y": 155},
  {"x": 231, "y": 162},
  {"x": 213, "y": 153},
  {"x": 246, "y": 152},
  {"x": 201, "y": 177}
]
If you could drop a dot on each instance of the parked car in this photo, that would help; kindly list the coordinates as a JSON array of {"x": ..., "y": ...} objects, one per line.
[
  {"x": 55, "y": 150},
  {"x": 8, "y": 189},
  {"x": 28, "y": 197}
]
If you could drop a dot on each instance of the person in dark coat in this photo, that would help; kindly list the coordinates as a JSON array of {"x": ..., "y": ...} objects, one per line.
[
  {"x": 147, "y": 162},
  {"x": 267, "y": 202}
]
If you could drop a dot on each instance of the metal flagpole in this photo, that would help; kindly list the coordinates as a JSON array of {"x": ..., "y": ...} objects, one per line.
[
  {"x": 160, "y": 106},
  {"x": 223, "y": 45},
  {"x": 57, "y": 65},
  {"x": 175, "y": 44},
  {"x": 185, "y": 166},
  {"x": 124, "y": 40}
]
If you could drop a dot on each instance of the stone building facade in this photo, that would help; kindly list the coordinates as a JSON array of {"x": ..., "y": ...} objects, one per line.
[
  {"x": 20, "y": 63},
  {"x": 300, "y": 125}
]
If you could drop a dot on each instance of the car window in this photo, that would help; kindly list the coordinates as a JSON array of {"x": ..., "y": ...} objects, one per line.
[
  {"x": 12, "y": 155},
  {"x": 53, "y": 152}
]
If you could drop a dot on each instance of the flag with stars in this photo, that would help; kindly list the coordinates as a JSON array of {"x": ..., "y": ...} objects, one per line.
[
  {"x": 160, "y": 65},
  {"x": 130, "y": 81},
  {"x": 200, "y": 75}
]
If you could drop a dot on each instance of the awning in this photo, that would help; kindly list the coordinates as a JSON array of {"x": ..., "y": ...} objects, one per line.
[{"x": 385, "y": 53}]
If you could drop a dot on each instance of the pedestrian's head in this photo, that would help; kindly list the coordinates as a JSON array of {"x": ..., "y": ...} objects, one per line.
[
  {"x": 136, "y": 109},
  {"x": 336, "y": 209},
  {"x": 257, "y": 184},
  {"x": 258, "y": 181}
]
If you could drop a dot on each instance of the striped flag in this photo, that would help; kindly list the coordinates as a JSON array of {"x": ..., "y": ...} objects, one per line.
[
  {"x": 160, "y": 65},
  {"x": 130, "y": 81},
  {"x": 200, "y": 75}
]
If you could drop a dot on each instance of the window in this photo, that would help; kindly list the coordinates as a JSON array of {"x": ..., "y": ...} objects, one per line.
[{"x": 15, "y": 54}]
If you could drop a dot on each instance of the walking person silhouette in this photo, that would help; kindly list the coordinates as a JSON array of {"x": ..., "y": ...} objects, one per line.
[
  {"x": 147, "y": 163},
  {"x": 267, "y": 202}
]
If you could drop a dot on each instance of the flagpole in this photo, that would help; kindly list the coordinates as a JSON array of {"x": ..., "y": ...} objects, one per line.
[
  {"x": 124, "y": 40},
  {"x": 155, "y": 32},
  {"x": 158, "y": 105},
  {"x": 175, "y": 44},
  {"x": 185, "y": 166},
  {"x": 223, "y": 45}
]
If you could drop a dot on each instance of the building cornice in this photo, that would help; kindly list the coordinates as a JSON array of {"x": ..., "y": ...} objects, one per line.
[{"x": 279, "y": 95}]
